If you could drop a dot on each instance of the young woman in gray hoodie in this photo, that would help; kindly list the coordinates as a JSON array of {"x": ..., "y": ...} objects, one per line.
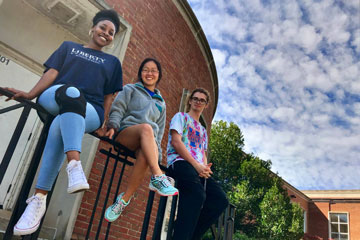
[{"x": 138, "y": 116}]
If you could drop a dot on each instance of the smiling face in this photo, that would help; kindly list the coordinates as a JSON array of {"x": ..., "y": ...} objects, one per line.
[
  {"x": 150, "y": 75},
  {"x": 103, "y": 34}
]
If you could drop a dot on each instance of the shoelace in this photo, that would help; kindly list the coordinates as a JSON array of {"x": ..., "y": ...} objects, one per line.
[
  {"x": 75, "y": 172},
  {"x": 34, "y": 203},
  {"x": 118, "y": 207},
  {"x": 163, "y": 180},
  {"x": 170, "y": 179}
]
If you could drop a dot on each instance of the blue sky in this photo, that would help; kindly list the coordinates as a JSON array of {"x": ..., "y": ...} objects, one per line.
[{"x": 289, "y": 77}]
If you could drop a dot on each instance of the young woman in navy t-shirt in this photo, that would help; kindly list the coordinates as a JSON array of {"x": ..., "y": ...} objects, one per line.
[{"x": 77, "y": 88}]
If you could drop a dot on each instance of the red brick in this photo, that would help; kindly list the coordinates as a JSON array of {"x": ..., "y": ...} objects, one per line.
[{"x": 169, "y": 39}]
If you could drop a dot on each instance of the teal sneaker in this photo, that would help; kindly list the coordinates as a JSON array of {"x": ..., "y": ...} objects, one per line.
[
  {"x": 162, "y": 185},
  {"x": 114, "y": 211}
]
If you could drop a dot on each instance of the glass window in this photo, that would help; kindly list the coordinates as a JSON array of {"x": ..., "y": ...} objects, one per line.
[
  {"x": 344, "y": 228},
  {"x": 343, "y": 218},
  {"x": 339, "y": 226},
  {"x": 335, "y": 236}
]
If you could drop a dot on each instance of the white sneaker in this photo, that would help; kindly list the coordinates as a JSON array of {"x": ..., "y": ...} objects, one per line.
[
  {"x": 77, "y": 180},
  {"x": 30, "y": 219}
]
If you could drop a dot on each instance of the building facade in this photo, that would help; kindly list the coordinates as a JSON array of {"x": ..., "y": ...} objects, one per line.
[
  {"x": 30, "y": 30},
  {"x": 334, "y": 214},
  {"x": 328, "y": 214}
]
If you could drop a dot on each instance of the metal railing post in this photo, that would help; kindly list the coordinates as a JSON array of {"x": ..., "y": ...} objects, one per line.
[
  {"x": 145, "y": 225},
  {"x": 30, "y": 175},
  {"x": 159, "y": 218},
  {"x": 13, "y": 142}
]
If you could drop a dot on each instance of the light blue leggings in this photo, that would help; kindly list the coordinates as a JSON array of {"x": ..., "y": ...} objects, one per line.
[{"x": 65, "y": 134}]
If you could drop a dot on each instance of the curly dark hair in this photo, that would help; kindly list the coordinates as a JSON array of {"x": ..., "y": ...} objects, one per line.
[{"x": 107, "y": 14}]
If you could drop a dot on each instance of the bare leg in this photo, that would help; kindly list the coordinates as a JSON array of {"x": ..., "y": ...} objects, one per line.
[
  {"x": 73, "y": 155},
  {"x": 137, "y": 175},
  {"x": 141, "y": 137},
  {"x": 41, "y": 191}
]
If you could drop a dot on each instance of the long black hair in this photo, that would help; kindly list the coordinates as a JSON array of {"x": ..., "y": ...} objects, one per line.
[{"x": 146, "y": 60}]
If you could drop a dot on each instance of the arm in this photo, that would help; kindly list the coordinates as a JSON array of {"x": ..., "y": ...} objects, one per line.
[
  {"x": 117, "y": 111},
  {"x": 107, "y": 104},
  {"x": 45, "y": 81},
  {"x": 161, "y": 123},
  {"x": 108, "y": 99},
  {"x": 207, "y": 172},
  {"x": 53, "y": 66},
  {"x": 205, "y": 159}
]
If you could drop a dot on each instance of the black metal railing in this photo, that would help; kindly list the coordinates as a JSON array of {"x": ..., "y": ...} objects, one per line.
[
  {"x": 20, "y": 204},
  {"x": 119, "y": 153},
  {"x": 224, "y": 228},
  {"x": 121, "y": 156}
]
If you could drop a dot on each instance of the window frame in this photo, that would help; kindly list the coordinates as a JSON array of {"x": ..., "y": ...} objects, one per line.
[{"x": 338, "y": 232}]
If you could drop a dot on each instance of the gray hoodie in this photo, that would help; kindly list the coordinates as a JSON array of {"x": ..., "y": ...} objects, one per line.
[{"x": 134, "y": 105}]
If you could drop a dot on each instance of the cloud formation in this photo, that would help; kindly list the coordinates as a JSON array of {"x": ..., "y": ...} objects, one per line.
[{"x": 289, "y": 78}]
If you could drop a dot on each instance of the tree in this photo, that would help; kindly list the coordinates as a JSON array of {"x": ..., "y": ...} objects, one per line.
[
  {"x": 280, "y": 219},
  {"x": 297, "y": 223},
  {"x": 248, "y": 194},
  {"x": 226, "y": 154},
  {"x": 263, "y": 208}
]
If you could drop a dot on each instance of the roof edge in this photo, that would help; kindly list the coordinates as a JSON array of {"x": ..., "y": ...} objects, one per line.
[{"x": 332, "y": 194}]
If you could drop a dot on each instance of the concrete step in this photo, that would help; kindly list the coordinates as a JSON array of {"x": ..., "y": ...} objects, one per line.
[{"x": 45, "y": 232}]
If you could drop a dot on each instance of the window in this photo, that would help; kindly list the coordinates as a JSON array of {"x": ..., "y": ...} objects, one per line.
[
  {"x": 184, "y": 96},
  {"x": 75, "y": 17},
  {"x": 339, "y": 226}
]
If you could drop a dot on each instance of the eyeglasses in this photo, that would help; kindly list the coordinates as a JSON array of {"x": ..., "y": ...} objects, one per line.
[
  {"x": 153, "y": 71},
  {"x": 199, "y": 100}
]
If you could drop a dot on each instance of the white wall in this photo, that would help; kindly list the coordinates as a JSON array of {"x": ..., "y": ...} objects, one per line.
[{"x": 28, "y": 38}]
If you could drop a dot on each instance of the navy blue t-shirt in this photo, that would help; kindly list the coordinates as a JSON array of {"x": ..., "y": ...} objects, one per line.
[{"x": 94, "y": 72}]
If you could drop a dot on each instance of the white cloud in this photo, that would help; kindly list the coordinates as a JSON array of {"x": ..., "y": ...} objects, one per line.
[
  {"x": 219, "y": 57},
  {"x": 289, "y": 77},
  {"x": 308, "y": 38}
]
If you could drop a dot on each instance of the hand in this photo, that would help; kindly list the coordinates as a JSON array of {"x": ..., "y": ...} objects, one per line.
[
  {"x": 206, "y": 173},
  {"x": 110, "y": 133},
  {"x": 100, "y": 131},
  {"x": 204, "y": 170},
  {"x": 19, "y": 94}
]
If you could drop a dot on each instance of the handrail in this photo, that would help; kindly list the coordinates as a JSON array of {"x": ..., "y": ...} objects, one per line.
[{"x": 9, "y": 94}]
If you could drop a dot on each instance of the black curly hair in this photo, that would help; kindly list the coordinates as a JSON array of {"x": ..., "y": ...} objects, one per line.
[{"x": 107, "y": 14}]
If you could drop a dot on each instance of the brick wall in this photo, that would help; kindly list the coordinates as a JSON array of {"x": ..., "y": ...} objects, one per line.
[
  {"x": 319, "y": 212},
  {"x": 159, "y": 31},
  {"x": 296, "y": 197},
  {"x": 318, "y": 222}
]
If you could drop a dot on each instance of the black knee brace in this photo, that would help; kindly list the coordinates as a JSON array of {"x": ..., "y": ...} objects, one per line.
[{"x": 70, "y": 104}]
